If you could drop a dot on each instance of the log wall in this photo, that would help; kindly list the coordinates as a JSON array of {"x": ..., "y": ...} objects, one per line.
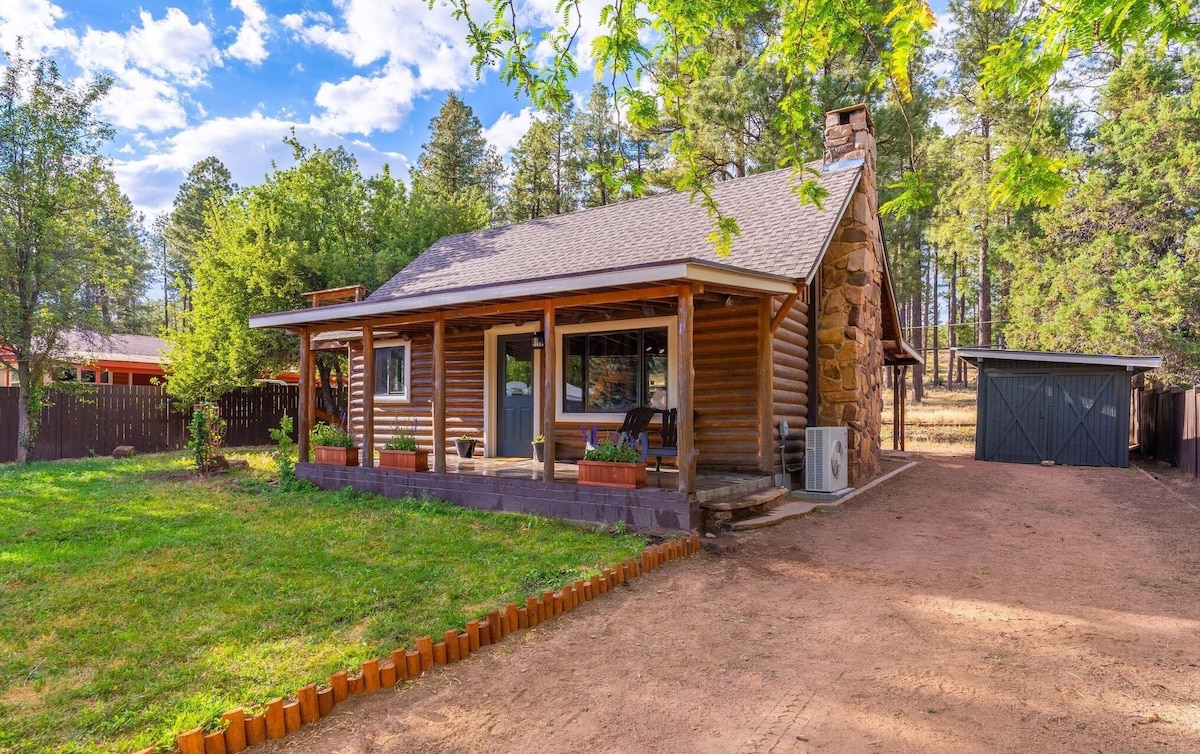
[
  {"x": 790, "y": 388},
  {"x": 464, "y": 391}
]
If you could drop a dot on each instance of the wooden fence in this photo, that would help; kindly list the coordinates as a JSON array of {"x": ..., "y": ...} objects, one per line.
[
  {"x": 1168, "y": 426},
  {"x": 76, "y": 425}
]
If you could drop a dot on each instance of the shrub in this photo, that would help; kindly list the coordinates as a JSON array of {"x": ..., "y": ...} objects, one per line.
[
  {"x": 206, "y": 432},
  {"x": 613, "y": 452},
  {"x": 331, "y": 437}
]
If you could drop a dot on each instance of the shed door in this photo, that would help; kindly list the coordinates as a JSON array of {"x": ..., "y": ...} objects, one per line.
[
  {"x": 1084, "y": 427},
  {"x": 1067, "y": 417},
  {"x": 1015, "y": 423}
]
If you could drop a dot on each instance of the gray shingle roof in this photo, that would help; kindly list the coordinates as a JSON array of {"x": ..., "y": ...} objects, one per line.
[{"x": 780, "y": 236}]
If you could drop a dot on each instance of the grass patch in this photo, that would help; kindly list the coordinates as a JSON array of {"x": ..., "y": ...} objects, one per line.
[{"x": 137, "y": 602}]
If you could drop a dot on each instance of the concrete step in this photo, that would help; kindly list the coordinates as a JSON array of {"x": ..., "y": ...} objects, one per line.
[
  {"x": 754, "y": 499},
  {"x": 777, "y": 515}
]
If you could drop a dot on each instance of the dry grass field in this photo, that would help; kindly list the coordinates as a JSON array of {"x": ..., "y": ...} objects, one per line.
[{"x": 944, "y": 420}]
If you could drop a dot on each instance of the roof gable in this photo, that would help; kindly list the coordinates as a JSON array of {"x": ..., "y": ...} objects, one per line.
[{"x": 780, "y": 237}]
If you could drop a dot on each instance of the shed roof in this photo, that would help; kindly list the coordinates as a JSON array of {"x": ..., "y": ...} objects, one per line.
[
  {"x": 88, "y": 345},
  {"x": 1130, "y": 363}
]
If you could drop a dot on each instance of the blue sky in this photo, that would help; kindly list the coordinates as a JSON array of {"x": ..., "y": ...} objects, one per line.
[{"x": 230, "y": 78}]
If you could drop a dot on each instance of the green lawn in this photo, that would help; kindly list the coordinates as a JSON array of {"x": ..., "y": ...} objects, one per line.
[{"x": 137, "y": 602}]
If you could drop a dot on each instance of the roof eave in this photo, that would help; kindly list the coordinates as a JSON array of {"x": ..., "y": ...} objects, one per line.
[
  {"x": 694, "y": 271},
  {"x": 1130, "y": 363}
]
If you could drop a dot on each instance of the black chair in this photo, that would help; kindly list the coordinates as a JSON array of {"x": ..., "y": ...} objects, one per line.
[
  {"x": 669, "y": 447},
  {"x": 633, "y": 429}
]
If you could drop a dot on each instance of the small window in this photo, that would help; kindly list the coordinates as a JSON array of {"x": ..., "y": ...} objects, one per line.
[{"x": 391, "y": 371}]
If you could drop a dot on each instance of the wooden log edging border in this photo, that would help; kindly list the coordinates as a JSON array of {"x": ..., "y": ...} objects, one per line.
[{"x": 282, "y": 717}]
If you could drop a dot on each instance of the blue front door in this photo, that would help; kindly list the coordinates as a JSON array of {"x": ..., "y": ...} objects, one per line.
[{"x": 514, "y": 418}]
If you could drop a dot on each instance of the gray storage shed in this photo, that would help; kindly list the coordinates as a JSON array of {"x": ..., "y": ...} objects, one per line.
[{"x": 1069, "y": 408}]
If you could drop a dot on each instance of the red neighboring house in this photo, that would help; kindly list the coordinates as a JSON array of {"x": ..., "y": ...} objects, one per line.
[{"x": 106, "y": 360}]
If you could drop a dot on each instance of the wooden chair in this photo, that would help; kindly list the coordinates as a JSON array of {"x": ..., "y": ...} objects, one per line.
[
  {"x": 637, "y": 421},
  {"x": 669, "y": 447}
]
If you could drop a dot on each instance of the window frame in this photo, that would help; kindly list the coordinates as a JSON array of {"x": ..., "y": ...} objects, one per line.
[
  {"x": 406, "y": 396},
  {"x": 611, "y": 326}
]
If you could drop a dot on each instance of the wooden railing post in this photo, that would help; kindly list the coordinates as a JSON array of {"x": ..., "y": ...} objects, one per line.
[
  {"x": 368, "y": 396},
  {"x": 685, "y": 399},
  {"x": 306, "y": 410},
  {"x": 439, "y": 393},
  {"x": 549, "y": 400}
]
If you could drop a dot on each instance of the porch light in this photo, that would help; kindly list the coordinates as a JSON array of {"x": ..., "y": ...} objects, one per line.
[{"x": 539, "y": 340}]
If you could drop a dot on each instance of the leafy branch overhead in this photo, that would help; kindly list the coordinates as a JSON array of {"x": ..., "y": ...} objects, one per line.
[{"x": 656, "y": 56}]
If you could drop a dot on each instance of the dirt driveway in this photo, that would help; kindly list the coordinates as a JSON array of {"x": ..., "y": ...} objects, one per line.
[{"x": 961, "y": 607}]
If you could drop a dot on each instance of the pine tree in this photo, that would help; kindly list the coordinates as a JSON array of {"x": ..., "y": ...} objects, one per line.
[
  {"x": 457, "y": 159},
  {"x": 208, "y": 181},
  {"x": 597, "y": 149}
]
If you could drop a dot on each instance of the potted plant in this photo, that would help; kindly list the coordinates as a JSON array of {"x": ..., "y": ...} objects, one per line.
[
  {"x": 402, "y": 453},
  {"x": 465, "y": 445},
  {"x": 333, "y": 445},
  {"x": 613, "y": 464},
  {"x": 539, "y": 448}
]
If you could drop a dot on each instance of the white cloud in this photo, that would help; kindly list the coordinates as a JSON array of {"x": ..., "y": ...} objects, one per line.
[
  {"x": 173, "y": 48},
  {"x": 247, "y": 145},
  {"x": 141, "y": 102},
  {"x": 508, "y": 129},
  {"x": 363, "y": 105},
  {"x": 251, "y": 42},
  {"x": 415, "y": 48},
  {"x": 35, "y": 22}
]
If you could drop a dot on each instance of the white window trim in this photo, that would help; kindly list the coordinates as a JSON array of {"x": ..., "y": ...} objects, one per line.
[
  {"x": 391, "y": 398},
  {"x": 647, "y": 323}
]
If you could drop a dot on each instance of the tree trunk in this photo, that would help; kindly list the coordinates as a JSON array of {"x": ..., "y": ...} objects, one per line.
[
  {"x": 937, "y": 305},
  {"x": 28, "y": 413},
  {"x": 984, "y": 314},
  {"x": 952, "y": 316},
  {"x": 917, "y": 332}
]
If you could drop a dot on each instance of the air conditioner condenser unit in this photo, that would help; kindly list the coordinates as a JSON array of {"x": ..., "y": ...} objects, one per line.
[{"x": 825, "y": 459}]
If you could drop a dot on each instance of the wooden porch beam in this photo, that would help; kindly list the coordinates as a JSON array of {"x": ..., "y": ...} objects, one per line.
[
  {"x": 549, "y": 400},
  {"x": 368, "y": 385},
  {"x": 784, "y": 308},
  {"x": 513, "y": 307},
  {"x": 439, "y": 394},
  {"x": 306, "y": 411},
  {"x": 765, "y": 380},
  {"x": 685, "y": 399}
]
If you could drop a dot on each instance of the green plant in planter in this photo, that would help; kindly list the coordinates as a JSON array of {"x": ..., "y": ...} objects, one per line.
[
  {"x": 465, "y": 438},
  {"x": 403, "y": 440},
  {"x": 539, "y": 440},
  {"x": 331, "y": 437},
  {"x": 612, "y": 452}
]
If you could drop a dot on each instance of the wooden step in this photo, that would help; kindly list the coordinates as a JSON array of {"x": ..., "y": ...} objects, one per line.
[
  {"x": 754, "y": 499},
  {"x": 720, "y": 513}
]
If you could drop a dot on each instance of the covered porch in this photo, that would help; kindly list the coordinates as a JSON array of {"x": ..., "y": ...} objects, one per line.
[{"x": 455, "y": 384}]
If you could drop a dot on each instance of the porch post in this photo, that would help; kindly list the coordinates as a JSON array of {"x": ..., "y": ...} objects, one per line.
[
  {"x": 766, "y": 434},
  {"x": 368, "y": 399},
  {"x": 306, "y": 411},
  {"x": 439, "y": 393},
  {"x": 685, "y": 400},
  {"x": 896, "y": 408},
  {"x": 903, "y": 407},
  {"x": 549, "y": 401}
]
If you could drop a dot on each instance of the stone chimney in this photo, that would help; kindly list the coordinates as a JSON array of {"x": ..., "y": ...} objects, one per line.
[
  {"x": 850, "y": 134},
  {"x": 849, "y": 315}
]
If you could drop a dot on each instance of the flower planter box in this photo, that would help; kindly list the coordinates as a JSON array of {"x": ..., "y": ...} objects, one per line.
[
  {"x": 627, "y": 476},
  {"x": 336, "y": 456},
  {"x": 539, "y": 451},
  {"x": 465, "y": 448},
  {"x": 404, "y": 460}
]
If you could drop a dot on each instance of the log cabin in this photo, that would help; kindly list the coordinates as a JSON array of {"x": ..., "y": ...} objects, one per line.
[{"x": 558, "y": 326}]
